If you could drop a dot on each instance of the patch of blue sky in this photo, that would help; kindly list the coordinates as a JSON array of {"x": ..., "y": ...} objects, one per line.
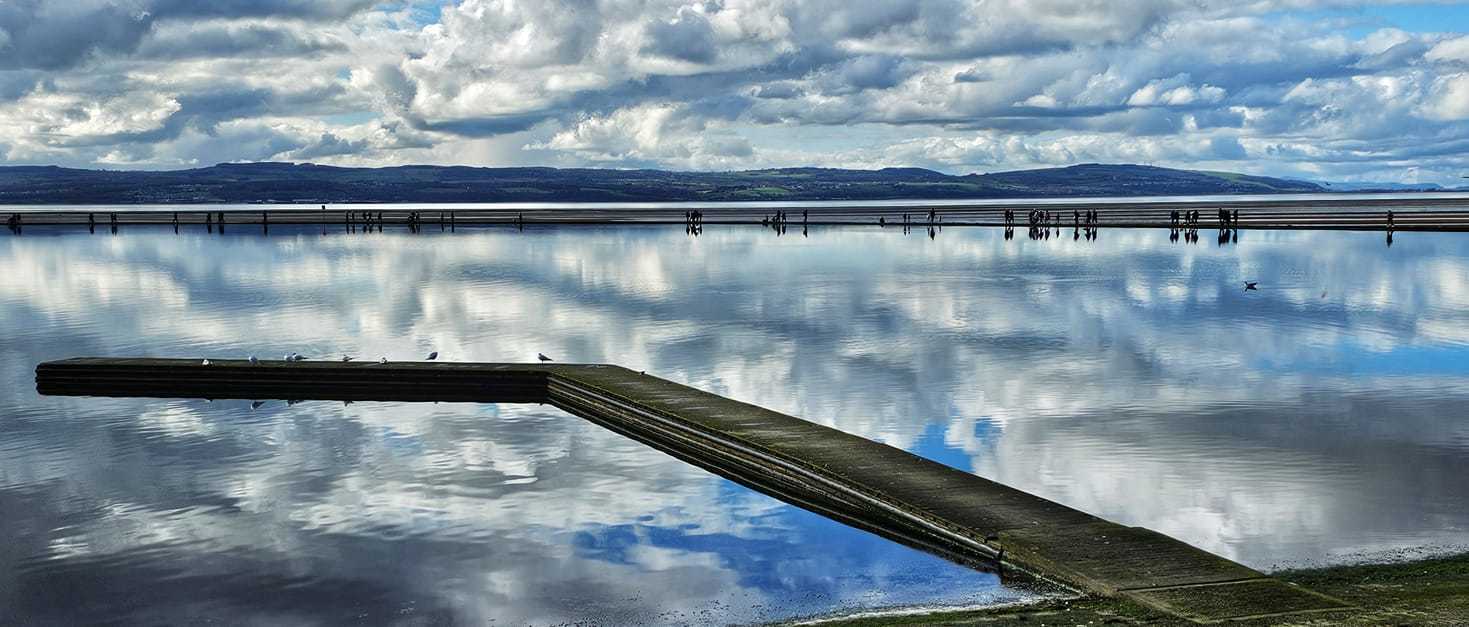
[
  {"x": 932, "y": 445},
  {"x": 351, "y": 119},
  {"x": 1352, "y": 359},
  {"x": 422, "y": 12},
  {"x": 797, "y": 555},
  {"x": 1417, "y": 18}
]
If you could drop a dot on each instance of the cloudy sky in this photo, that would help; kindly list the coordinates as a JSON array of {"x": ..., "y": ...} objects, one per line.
[{"x": 1320, "y": 89}]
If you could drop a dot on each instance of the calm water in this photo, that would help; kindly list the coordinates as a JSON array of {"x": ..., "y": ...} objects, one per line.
[{"x": 1319, "y": 419}]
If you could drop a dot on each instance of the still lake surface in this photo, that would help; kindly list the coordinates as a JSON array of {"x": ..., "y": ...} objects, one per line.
[{"x": 1321, "y": 419}]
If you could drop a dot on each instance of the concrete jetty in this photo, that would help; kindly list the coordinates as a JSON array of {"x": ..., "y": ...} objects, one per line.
[
  {"x": 1449, "y": 213},
  {"x": 866, "y": 484}
]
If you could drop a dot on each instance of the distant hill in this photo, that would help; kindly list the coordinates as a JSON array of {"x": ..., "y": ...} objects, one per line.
[
  {"x": 309, "y": 183},
  {"x": 1369, "y": 186}
]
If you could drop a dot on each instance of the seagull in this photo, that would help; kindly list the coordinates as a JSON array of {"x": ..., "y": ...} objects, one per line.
[
  {"x": 543, "y": 357},
  {"x": 1250, "y": 285},
  {"x": 256, "y": 404},
  {"x": 289, "y": 403},
  {"x": 383, "y": 360},
  {"x": 434, "y": 355},
  {"x": 206, "y": 362},
  {"x": 346, "y": 358},
  {"x": 254, "y": 361}
]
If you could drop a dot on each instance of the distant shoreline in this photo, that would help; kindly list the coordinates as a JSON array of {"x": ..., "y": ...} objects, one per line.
[
  {"x": 1373, "y": 196},
  {"x": 308, "y": 184}
]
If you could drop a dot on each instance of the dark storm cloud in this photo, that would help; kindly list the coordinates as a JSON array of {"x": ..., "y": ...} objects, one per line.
[
  {"x": 688, "y": 37},
  {"x": 972, "y": 75},
  {"x": 299, "y": 9},
  {"x": 954, "y": 29},
  {"x": 870, "y": 72},
  {"x": 328, "y": 145},
  {"x": 16, "y": 83},
  {"x": 50, "y": 35},
  {"x": 204, "y": 111},
  {"x": 224, "y": 40},
  {"x": 481, "y": 126}
]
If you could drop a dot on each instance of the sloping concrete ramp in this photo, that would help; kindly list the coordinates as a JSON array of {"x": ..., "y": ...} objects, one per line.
[{"x": 873, "y": 486}]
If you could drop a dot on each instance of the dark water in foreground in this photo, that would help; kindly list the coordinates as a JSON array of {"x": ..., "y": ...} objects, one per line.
[{"x": 1321, "y": 418}]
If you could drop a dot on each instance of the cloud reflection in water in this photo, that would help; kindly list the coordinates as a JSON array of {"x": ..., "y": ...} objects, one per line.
[{"x": 1129, "y": 377}]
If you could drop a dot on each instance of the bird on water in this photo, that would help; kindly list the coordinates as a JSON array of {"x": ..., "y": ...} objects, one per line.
[
  {"x": 383, "y": 360},
  {"x": 256, "y": 404},
  {"x": 346, "y": 358},
  {"x": 434, "y": 355},
  {"x": 254, "y": 361},
  {"x": 1250, "y": 285},
  {"x": 543, "y": 357},
  {"x": 206, "y": 362}
]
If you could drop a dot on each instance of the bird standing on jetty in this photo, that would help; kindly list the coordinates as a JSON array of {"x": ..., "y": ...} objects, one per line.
[
  {"x": 1250, "y": 285},
  {"x": 434, "y": 355},
  {"x": 543, "y": 357}
]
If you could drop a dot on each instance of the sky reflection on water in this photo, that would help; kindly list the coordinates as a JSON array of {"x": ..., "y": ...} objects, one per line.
[{"x": 1318, "y": 419}]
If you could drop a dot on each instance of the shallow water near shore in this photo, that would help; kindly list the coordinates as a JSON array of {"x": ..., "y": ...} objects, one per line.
[{"x": 1316, "y": 419}]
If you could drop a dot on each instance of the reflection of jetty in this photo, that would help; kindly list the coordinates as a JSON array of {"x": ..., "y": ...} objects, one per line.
[
  {"x": 863, "y": 483},
  {"x": 1365, "y": 213}
]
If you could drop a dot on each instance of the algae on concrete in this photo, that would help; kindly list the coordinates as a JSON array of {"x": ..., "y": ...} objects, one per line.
[{"x": 1424, "y": 592}]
